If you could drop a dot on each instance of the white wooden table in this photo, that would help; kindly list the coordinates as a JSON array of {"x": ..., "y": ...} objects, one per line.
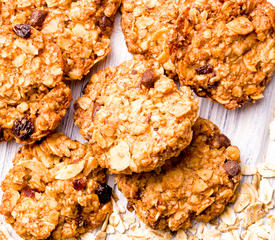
[{"x": 247, "y": 127}]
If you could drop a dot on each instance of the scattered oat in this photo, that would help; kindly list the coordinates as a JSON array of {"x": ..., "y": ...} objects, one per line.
[
  {"x": 4, "y": 234},
  {"x": 228, "y": 216},
  {"x": 248, "y": 194},
  {"x": 110, "y": 229},
  {"x": 248, "y": 169},
  {"x": 266, "y": 169},
  {"x": 265, "y": 191},
  {"x": 256, "y": 180},
  {"x": 101, "y": 236},
  {"x": 181, "y": 235},
  {"x": 248, "y": 235},
  {"x": 129, "y": 219},
  {"x": 193, "y": 230},
  {"x": 252, "y": 213},
  {"x": 105, "y": 223},
  {"x": 235, "y": 235},
  {"x": 120, "y": 227},
  {"x": 262, "y": 232},
  {"x": 121, "y": 208}
]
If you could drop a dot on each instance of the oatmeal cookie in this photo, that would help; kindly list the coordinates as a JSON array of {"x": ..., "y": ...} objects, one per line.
[
  {"x": 81, "y": 28},
  {"x": 55, "y": 190},
  {"x": 196, "y": 185},
  {"x": 225, "y": 50},
  {"x": 33, "y": 98},
  {"x": 135, "y": 116},
  {"x": 146, "y": 25}
]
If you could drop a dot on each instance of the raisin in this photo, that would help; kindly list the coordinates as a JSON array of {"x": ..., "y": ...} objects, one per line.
[
  {"x": 95, "y": 110},
  {"x": 232, "y": 168},
  {"x": 105, "y": 22},
  {"x": 79, "y": 184},
  {"x": 104, "y": 193},
  {"x": 204, "y": 69},
  {"x": 22, "y": 30},
  {"x": 148, "y": 78},
  {"x": 79, "y": 208},
  {"x": 29, "y": 192},
  {"x": 220, "y": 140},
  {"x": 23, "y": 128},
  {"x": 37, "y": 17}
]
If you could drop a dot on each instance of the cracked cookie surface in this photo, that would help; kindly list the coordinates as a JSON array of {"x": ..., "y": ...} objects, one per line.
[
  {"x": 195, "y": 186},
  {"x": 80, "y": 28},
  {"x": 146, "y": 25},
  {"x": 135, "y": 116},
  {"x": 225, "y": 50},
  {"x": 33, "y": 98},
  {"x": 55, "y": 190}
]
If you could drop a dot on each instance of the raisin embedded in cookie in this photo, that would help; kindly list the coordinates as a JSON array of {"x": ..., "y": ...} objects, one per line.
[
  {"x": 195, "y": 186},
  {"x": 55, "y": 190},
  {"x": 33, "y": 98},
  {"x": 146, "y": 25},
  {"x": 135, "y": 116},
  {"x": 81, "y": 28},
  {"x": 225, "y": 50}
]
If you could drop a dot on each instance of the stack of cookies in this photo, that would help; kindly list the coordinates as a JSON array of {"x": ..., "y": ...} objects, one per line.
[{"x": 171, "y": 165}]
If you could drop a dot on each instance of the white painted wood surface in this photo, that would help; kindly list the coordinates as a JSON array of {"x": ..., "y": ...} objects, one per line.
[{"x": 247, "y": 127}]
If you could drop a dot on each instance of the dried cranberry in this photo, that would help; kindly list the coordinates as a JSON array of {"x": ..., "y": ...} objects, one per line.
[
  {"x": 22, "y": 30},
  {"x": 23, "y": 128},
  {"x": 79, "y": 184},
  {"x": 148, "y": 78},
  {"x": 232, "y": 168},
  {"x": 204, "y": 69},
  {"x": 29, "y": 192},
  {"x": 104, "y": 193},
  {"x": 37, "y": 17},
  {"x": 105, "y": 22}
]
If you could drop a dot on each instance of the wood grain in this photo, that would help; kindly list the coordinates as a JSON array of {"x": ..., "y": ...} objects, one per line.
[{"x": 247, "y": 127}]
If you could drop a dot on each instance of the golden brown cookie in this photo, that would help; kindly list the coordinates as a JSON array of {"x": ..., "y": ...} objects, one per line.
[
  {"x": 81, "y": 28},
  {"x": 225, "y": 50},
  {"x": 146, "y": 25},
  {"x": 195, "y": 186},
  {"x": 33, "y": 98},
  {"x": 55, "y": 190},
  {"x": 135, "y": 116}
]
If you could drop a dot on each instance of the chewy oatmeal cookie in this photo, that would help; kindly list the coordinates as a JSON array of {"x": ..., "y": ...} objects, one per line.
[
  {"x": 225, "y": 50},
  {"x": 196, "y": 185},
  {"x": 33, "y": 98},
  {"x": 135, "y": 116},
  {"x": 55, "y": 190},
  {"x": 146, "y": 25},
  {"x": 81, "y": 28}
]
